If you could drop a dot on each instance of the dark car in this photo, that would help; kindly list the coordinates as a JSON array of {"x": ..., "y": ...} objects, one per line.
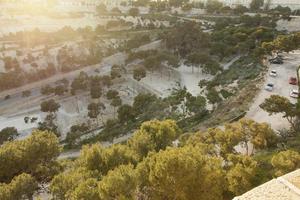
[
  {"x": 276, "y": 61},
  {"x": 269, "y": 87}
]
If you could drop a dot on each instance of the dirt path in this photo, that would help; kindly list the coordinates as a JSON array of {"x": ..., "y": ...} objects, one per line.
[
  {"x": 227, "y": 65},
  {"x": 193, "y": 19}
]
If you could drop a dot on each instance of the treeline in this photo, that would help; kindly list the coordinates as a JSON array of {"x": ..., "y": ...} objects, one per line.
[
  {"x": 27, "y": 164},
  {"x": 148, "y": 167},
  {"x": 230, "y": 37},
  {"x": 158, "y": 162},
  {"x": 16, "y": 76},
  {"x": 239, "y": 35},
  {"x": 215, "y": 7},
  {"x": 284, "y": 43},
  {"x": 37, "y": 37}
]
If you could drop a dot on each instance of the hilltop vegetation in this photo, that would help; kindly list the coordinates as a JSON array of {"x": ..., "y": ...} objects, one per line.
[
  {"x": 181, "y": 146},
  {"x": 149, "y": 166},
  {"x": 185, "y": 43}
]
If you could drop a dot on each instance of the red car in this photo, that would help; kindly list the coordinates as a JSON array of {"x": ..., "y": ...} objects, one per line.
[{"x": 293, "y": 81}]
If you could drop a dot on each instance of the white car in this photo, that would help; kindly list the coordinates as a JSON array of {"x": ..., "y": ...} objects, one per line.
[
  {"x": 269, "y": 87},
  {"x": 273, "y": 73},
  {"x": 294, "y": 93}
]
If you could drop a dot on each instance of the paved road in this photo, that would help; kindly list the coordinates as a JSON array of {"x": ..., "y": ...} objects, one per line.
[
  {"x": 282, "y": 88},
  {"x": 16, "y": 94},
  {"x": 104, "y": 67}
]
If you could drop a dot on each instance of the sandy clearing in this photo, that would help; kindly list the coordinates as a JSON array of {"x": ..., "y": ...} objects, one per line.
[
  {"x": 290, "y": 26},
  {"x": 162, "y": 81},
  {"x": 191, "y": 79},
  {"x": 18, "y": 122}
]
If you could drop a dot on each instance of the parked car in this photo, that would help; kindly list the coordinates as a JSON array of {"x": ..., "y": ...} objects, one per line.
[
  {"x": 273, "y": 73},
  {"x": 293, "y": 81},
  {"x": 276, "y": 60},
  {"x": 294, "y": 93},
  {"x": 269, "y": 87}
]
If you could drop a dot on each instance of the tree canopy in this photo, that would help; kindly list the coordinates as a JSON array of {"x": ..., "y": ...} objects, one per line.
[
  {"x": 277, "y": 104},
  {"x": 186, "y": 38},
  {"x": 50, "y": 106},
  {"x": 183, "y": 173},
  {"x": 35, "y": 155},
  {"x": 285, "y": 162},
  {"x": 8, "y": 134}
]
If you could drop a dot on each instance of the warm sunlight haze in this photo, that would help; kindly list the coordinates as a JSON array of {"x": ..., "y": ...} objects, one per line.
[{"x": 149, "y": 100}]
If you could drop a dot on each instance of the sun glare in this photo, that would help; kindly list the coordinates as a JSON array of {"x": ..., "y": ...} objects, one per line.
[{"x": 149, "y": 99}]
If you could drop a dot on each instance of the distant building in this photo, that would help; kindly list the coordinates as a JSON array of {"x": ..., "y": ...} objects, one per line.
[
  {"x": 113, "y": 3},
  {"x": 231, "y": 3},
  {"x": 88, "y": 5},
  {"x": 77, "y": 5},
  {"x": 293, "y": 4},
  {"x": 234, "y": 3}
]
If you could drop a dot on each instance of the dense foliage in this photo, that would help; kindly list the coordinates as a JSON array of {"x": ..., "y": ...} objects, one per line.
[
  {"x": 149, "y": 166},
  {"x": 25, "y": 163}
]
